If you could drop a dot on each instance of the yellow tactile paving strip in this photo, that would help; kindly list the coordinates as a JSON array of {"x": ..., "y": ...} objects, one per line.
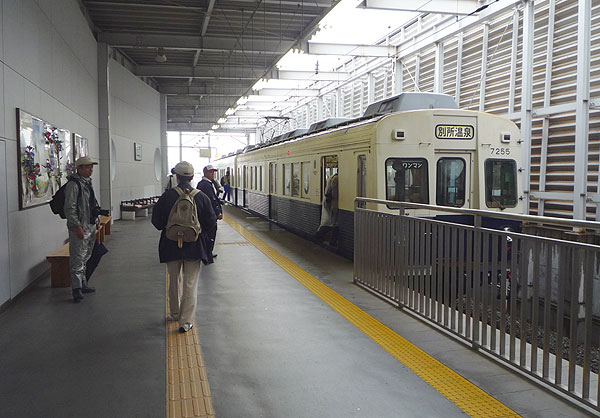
[
  {"x": 468, "y": 397},
  {"x": 188, "y": 393}
]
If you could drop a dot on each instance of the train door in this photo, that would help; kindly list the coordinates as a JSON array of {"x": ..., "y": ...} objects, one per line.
[
  {"x": 453, "y": 180},
  {"x": 272, "y": 190},
  {"x": 361, "y": 178},
  {"x": 244, "y": 185}
]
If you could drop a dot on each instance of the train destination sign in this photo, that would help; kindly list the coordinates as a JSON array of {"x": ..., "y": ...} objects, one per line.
[{"x": 454, "y": 132}]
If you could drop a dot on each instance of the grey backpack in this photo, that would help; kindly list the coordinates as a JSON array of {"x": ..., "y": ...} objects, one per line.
[{"x": 183, "y": 224}]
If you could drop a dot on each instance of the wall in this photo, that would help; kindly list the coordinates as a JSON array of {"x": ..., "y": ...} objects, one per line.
[
  {"x": 48, "y": 66},
  {"x": 134, "y": 118}
]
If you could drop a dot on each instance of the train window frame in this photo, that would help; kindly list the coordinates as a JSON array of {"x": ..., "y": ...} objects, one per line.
[
  {"x": 440, "y": 187},
  {"x": 491, "y": 201},
  {"x": 287, "y": 176},
  {"x": 296, "y": 175},
  {"x": 273, "y": 178},
  {"x": 420, "y": 164},
  {"x": 260, "y": 178},
  {"x": 305, "y": 175}
]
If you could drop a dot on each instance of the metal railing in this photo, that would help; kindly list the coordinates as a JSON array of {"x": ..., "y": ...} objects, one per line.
[{"x": 530, "y": 301}]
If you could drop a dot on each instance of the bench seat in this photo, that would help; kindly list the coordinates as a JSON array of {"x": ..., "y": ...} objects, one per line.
[{"x": 59, "y": 267}]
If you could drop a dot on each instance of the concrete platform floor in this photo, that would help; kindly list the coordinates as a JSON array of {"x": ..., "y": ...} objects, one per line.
[{"x": 272, "y": 348}]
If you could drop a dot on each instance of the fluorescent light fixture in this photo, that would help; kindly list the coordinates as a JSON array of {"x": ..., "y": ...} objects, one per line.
[
  {"x": 210, "y": 132},
  {"x": 242, "y": 100},
  {"x": 222, "y": 120},
  {"x": 230, "y": 111},
  {"x": 214, "y": 127}
]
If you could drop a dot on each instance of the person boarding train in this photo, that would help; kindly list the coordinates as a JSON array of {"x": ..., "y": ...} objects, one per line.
[{"x": 208, "y": 187}]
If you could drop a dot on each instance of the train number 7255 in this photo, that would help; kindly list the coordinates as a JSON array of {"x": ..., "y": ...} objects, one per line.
[{"x": 499, "y": 151}]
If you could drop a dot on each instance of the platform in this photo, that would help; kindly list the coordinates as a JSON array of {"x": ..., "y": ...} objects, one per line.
[{"x": 270, "y": 346}]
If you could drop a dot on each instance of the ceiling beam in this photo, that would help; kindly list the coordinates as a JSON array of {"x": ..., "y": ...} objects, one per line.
[
  {"x": 308, "y": 75},
  {"x": 201, "y": 71},
  {"x": 320, "y": 48},
  {"x": 452, "y": 7},
  {"x": 265, "y": 91},
  {"x": 205, "y": 43},
  {"x": 217, "y": 89},
  {"x": 221, "y": 101}
]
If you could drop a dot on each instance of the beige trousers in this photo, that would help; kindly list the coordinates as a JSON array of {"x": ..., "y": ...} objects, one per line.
[{"x": 183, "y": 288}]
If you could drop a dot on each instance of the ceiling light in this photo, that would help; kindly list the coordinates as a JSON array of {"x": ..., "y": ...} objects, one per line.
[
  {"x": 230, "y": 111},
  {"x": 215, "y": 127},
  {"x": 160, "y": 55},
  {"x": 222, "y": 120}
]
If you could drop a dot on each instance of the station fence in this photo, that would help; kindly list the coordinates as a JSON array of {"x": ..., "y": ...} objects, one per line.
[{"x": 528, "y": 301}]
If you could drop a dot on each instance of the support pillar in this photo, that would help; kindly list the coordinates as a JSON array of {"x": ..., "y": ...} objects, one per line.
[
  {"x": 104, "y": 141},
  {"x": 164, "y": 153}
]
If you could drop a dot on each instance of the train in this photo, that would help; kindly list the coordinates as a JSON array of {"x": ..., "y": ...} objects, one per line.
[{"x": 413, "y": 147}]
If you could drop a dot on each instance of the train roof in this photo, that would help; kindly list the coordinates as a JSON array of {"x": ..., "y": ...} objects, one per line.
[
  {"x": 326, "y": 123},
  {"x": 410, "y": 101}
]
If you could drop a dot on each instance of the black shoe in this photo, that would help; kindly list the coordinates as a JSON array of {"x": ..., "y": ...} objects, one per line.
[
  {"x": 77, "y": 295},
  {"x": 88, "y": 289},
  {"x": 214, "y": 255}
]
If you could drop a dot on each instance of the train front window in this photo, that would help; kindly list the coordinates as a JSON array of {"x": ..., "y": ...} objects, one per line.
[
  {"x": 450, "y": 184},
  {"x": 407, "y": 180},
  {"x": 500, "y": 183}
]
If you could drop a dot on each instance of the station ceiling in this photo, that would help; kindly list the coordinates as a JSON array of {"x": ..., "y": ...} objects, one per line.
[{"x": 206, "y": 54}]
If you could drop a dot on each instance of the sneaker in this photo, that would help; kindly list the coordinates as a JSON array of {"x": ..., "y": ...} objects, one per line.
[
  {"x": 172, "y": 317},
  {"x": 186, "y": 327},
  {"x": 77, "y": 295},
  {"x": 88, "y": 289}
]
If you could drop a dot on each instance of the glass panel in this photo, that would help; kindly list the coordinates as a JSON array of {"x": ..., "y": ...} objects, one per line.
[
  {"x": 260, "y": 182},
  {"x": 500, "y": 183},
  {"x": 361, "y": 181},
  {"x": 450, "y": 190},
  {"x": 305, "y": 178},
  {"x": 296, "y": 179},
  {"x": 406, "y": 180},
  {"x": 287, "y": 175},
  {"x": 272, "y": 178}
]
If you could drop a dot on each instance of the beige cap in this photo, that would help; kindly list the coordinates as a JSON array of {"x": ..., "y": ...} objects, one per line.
[
  {"x": 210, "y": 168},
  {"x": 183, "y": 169},
  {"x": 84, "y": 161}
]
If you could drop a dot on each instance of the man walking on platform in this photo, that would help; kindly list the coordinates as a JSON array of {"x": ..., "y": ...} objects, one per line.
[
  {"x": 183, "y": 255},
  {"x": 207, "y": 186},
  {"x": 81, "y": 211}
]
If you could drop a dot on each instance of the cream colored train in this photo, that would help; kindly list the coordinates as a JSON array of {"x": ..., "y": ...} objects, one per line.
[{"x": 415, "y": 147}]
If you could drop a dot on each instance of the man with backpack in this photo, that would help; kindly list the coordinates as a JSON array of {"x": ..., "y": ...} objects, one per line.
[
  {"x": 81, "y": 211},
  {"x": 185, "y": 217}
]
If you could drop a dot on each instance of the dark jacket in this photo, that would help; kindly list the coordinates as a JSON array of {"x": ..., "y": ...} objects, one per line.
[
  {"x": 168, "y": 250},
  {"x": 208, "y": 188}
]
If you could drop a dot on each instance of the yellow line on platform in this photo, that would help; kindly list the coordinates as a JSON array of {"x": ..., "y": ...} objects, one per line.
[
  {"x": 468, "y": 397},
  {"x": 188, "y": 393}
]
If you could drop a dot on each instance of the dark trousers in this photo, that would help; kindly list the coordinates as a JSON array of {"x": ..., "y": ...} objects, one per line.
[{"x": 211, "y": 240}]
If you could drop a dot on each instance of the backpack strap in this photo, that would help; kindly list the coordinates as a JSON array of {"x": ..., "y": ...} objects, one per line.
[
  {"x": 178, "y": 190},
  {"x": 194, "y": 192}
]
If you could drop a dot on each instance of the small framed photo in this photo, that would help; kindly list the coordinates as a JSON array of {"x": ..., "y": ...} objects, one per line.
[{"x": 137, "y": 151}]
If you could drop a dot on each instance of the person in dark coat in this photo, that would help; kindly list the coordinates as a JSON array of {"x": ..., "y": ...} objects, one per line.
[
  {"x": 183, "y": 264},
  {"x": 207, "y": 186}
]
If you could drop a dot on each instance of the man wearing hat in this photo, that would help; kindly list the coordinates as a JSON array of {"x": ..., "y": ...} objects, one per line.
[
  {"x": 183, "y": 263},
  {"x": 207, "y": 185},
  {"x": 81, "y": 211}
]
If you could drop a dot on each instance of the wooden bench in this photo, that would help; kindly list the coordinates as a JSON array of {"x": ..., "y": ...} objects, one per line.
[
  {"x": 137, "y": 207},
  {"x": 106, "y": 221},
  {"x": 60, "y": 275}
]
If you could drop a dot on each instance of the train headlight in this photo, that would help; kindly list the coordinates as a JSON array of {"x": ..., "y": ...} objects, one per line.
[
  {"x": 398, "y": 134},
  {"x": 504, "y": 137}
]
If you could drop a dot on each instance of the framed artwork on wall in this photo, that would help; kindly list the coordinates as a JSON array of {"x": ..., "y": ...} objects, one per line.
[
  {"x": 137, "y": 150},
  {"x": 45, "y": 159},
  {"x": 80, "y": 146}
]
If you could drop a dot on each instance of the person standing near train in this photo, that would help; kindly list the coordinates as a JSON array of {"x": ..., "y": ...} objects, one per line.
[
  {"x": 207, "y": 186},
  {"x": 226, "y": 183},
  {"x": 329, "y": 212}
]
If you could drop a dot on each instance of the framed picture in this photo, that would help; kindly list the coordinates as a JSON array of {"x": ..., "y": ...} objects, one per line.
[
  {"x": 80, "y": 146},
  {"x": 45, "y": 159},
  {"x": 137, "y": 151}
]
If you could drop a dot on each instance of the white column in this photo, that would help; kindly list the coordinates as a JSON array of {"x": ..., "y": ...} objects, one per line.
[
  {"x": 582, "y": 112},
  {"x": 438, "y": 83},
  {"x": 459, "y": 54},
  {"x": 526, "y": 116},
  {"x": 104, "y": 128},
  {"x": 484, "y": 66},
  {"x": 164, "y": 161}
]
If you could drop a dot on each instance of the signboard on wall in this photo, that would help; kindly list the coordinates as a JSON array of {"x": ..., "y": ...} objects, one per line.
[{"x": 205, "y": 152}]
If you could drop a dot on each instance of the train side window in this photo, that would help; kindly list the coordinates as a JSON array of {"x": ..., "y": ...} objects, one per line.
[
  {"x": 260, "y": 182},
  {"x": 500, "y": 183},
  {"x": 407, "y": 180},
  {"x": 305, "y": 178},
  {"x": 295, "y": 179},
  {"x": 450, "y": 184},
  {"x": 272, "y": 178},
  {"x": 287, "y": 176}
]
